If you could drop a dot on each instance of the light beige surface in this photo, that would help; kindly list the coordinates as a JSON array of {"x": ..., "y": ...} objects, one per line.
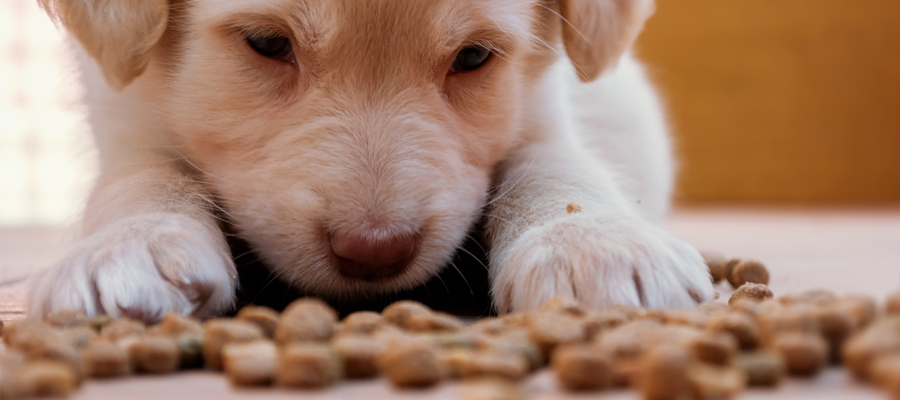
[{"x": 849, "y": 251}]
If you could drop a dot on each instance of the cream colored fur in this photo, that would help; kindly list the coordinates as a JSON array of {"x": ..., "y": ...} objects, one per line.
[{"x": 368, "y": 134}]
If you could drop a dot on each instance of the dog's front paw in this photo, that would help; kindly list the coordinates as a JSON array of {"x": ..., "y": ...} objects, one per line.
[
  {"x": 601, "y": 262},
  {"x": 142, "y": 267}
]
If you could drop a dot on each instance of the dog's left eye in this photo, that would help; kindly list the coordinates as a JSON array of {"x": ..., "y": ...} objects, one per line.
[
  {"x": 277, "y": 47},
  {"x": 470, "y": 58}
]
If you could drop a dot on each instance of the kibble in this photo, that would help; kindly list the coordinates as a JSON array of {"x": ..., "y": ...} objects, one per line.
[
  {"x": 728, "y": 268},
  {"x": 804, "y": 354},
  {"x": 581, "y": 367},
  {"x": 434, "y": 322},
  {"x": 359, "y": 354},
  {"x": 264, "y": 317},
  {"x": 360, "y": 322},
  {"x": 78, "y": 336},
  {"x": 880, "y": 339},
  {"x": 715, "y": 382},
  {"x": 740, "y": 325},
  {"x": 716, "y": 264},
  {"x": 44, "y": 378},
  {"x": 892, "y": 305},
  {"x": 715, "y": 348},
  {"x": 221, "y": 331},
  {"x": 886, "y": 374},
  {"x": 66, "y": 318},
  {"x": 490, "y": 389},
  {"x": 549, "y": 329},
  {"x": 662, "y": 373},
  {"x": 749, "y": 271},
  {"x": 174, "y": 325},
  {"x": 250, "y": 363},
  {"x": 763, "y": 368},
  {"x": 751, "y": 291},
  {"x": 121, "y": 328},
  {"x": 400, "y": 313},
  {"x": 491, "y": 364},
  {"x": 154, "y": 354},
  {"x": 411, "y": 364},
  {"x": 307, "y": 365},
  {"x": 190, "y": 348},
  {"x": 306, "y": 319},
  {"x": 104, "y": 359}
]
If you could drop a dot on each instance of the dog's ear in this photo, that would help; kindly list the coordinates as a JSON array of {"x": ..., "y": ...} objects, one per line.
[
  {"x": 118, "y": 34},
  {"x": 597, "y": 32}
]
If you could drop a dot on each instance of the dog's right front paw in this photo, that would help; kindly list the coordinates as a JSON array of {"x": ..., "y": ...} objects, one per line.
[{"x": 141, "y": 267}]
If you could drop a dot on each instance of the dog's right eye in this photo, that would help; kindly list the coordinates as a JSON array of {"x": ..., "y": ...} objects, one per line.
[{"x": 276, "y": 47}]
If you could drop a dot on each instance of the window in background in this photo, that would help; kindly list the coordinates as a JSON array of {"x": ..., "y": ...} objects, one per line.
[{"x": 45, "y": 147}]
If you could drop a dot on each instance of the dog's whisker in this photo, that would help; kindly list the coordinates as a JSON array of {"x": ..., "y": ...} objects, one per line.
[{"x": 514, "y": 184}]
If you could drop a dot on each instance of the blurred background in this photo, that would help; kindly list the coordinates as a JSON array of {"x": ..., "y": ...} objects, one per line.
[{"x": 776, "y": 102}]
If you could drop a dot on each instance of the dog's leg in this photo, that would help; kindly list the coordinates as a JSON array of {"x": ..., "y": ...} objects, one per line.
[
  {"x": 604, "y": 253},
  {"x": 149, "y": 245}
]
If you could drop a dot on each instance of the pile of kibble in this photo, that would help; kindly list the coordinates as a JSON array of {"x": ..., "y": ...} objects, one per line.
[{"x": 711, "y": 352}]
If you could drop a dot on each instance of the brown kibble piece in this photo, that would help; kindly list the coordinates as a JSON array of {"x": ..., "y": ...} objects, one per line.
[
  {"x": 763, "y": 368},
  {"x": 863, "y": 309},
  {"x": 434, "y": 322},
  {"x": 490, "y": 389},
  {"x": 717, "y": 348},
  {"x": 573, "y": 208},
  {"x": 66, "y": 318},
  {"x": 565, "y": 305},
  {"x": 308, "y": 365},
  {"x": 264, "y": 317},
  {"x": 250, "y": 363},
  {"x": 361, "y": 323},
  {"x": 44, "y": 378},
  {"x": 662, "y": 373},
  {"x": 892, "y": 305},
  {"x": 885, "y": 373},
  {"x": 740, "y": 325},
  {"x": 492, "y": 364},
  {"x": 306, "y": 319},
  {"x": 359, "y": 354},
  {"x": 804, "y": 354},
  {"x": 58, "y": 350},
  {"x": 78, "y": 336},
  {"x": 28, "y": 334},
  {"x": 400, "y": 313},
  {"x": 414, "y": 363},
  {"x": 729, "y": 268},
  {"x": 778, "y": 320},
  {"x": 581, "y": 367},
  {"x": 104, "y": 359},
  {"x": 836, "y": 326},
  {"x": 175, "y": 324},
  {"x": 97, "y": 322},
  {"x": 154, "y": 354},
  {"x": 716, "y": 264},
  {"x": 220, "y": 331},
  {"x": 525, "y": 349},
  {"x": 749, "y": 271},
  {"x": 880, "y": 339},
  {"x": 716, "y": 382},
  {"x": 550, "y": 329},
  {"x": 751, "y": 291},
  {"x": 121, "y": 328}
]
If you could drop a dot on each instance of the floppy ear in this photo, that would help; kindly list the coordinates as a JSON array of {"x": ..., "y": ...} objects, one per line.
[
  {"x": 118, "y": 34},
  {"x": 597, "y": 32}
]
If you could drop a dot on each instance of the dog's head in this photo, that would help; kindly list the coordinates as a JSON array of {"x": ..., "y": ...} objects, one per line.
[{"x": 350, "y": 141}]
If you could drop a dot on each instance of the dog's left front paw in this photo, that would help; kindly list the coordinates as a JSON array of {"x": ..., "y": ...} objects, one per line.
[{"x": 601, "y": 261}]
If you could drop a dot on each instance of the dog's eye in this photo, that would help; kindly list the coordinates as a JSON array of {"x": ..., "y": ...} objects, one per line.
[
  {"x": 470, "y": 58},
  {"x": 277, "y": 47}
]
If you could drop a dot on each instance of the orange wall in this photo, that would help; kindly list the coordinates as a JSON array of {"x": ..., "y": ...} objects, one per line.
[{"x": 781, "y": 100}]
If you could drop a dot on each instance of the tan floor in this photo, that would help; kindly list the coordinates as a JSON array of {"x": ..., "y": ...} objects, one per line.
[{"x": 848, "y": 251}]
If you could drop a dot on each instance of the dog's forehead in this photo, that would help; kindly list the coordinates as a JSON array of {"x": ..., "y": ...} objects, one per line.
[{"x": 322, "y": 22}]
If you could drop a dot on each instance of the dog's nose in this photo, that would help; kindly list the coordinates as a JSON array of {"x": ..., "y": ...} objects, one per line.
[{"x": 372, "y": 258}]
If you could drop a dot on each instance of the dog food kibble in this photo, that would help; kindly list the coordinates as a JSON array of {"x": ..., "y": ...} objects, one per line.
[
  {"x": 892, "y": 305},
  {"x": 886, "y": 374},
  {"x": 740, "y": 325},
  {"x": 359, "y": 354},
  {"x": 751, "y": 291},
  {"x": 716, "y": 264},
  {"x": 581, "y": 367},
  {"x": 44, "y": 378},
  {"x": 400, "y": 313},
  {"x": 121, "y": 328},
  {"x": 306, "y": 319},
  {"x": 154, "y": 354},
  {"x": 749, "y": 271},
  {"x": 572, "y": 208},
  {"x": 662, "y": 373},
  {"x": 264, "y": 317},
  {"x": 307, "y": 365},
  {"x": 490, "y": 389},
  {"x": 763, "y": 368},
  {"x": 709, "y": 352},
  {"x": 414, "y": 363},
  {"x": 360, "y": 322},
  {"x": 66, "y": 318},
  {"x": 804, "y": 354},
  {"x": 250, "y": 363},
  {"x": 174, "y": 324},
  {"x": 221, "y": 331},
  {"x": 104, "y": 359}
]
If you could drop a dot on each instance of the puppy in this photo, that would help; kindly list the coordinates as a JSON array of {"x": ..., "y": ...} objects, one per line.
[{"x": 353, "y": 143}]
